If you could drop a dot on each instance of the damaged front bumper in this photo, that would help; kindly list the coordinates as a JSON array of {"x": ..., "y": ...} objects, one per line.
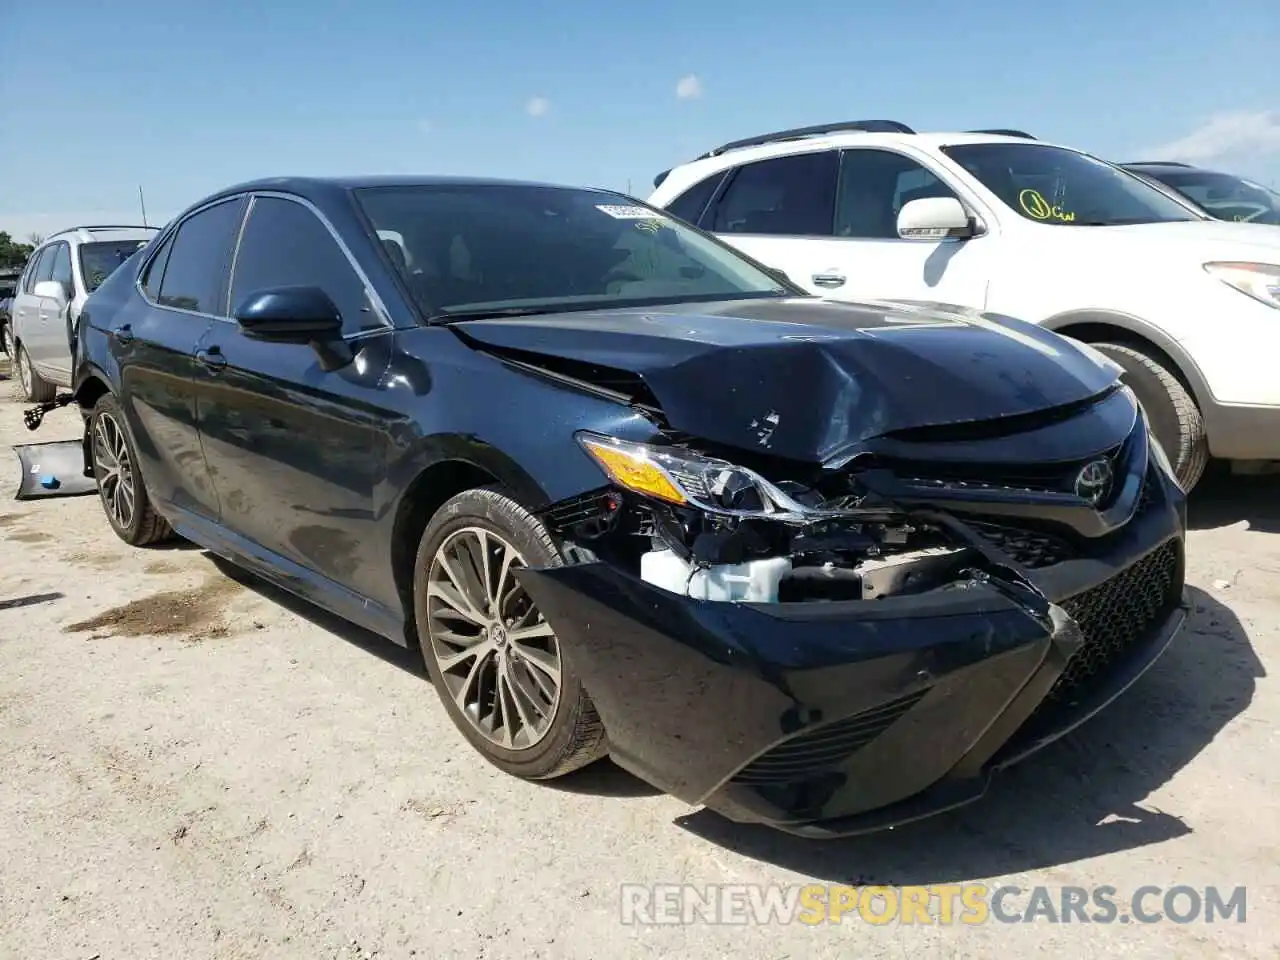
[{"x": 837, "y": 718}]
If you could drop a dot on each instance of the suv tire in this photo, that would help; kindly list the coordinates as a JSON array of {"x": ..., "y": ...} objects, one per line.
[
  {"x": 1175, "y": 419},
  {"x": 34, "y": 387}
]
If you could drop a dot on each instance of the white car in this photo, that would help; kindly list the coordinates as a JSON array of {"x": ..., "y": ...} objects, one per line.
[
  {"x": 999, "y": 222},
  {"x": 58, "y": 279}
]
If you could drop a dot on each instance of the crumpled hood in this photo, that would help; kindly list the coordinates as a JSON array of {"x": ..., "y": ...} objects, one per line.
[{"x": 806, "y": 378}]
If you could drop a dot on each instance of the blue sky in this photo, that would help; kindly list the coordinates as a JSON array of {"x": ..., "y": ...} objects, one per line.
[{"x": 184, "y": 98}]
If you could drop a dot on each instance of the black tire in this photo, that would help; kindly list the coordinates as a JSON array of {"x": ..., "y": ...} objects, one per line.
[
  {"x": 144, "y": 526},
  {"x": 575, "y": 736},
  {"x": 32, "y": 386},
  {"x": 1175, "y": 419}
]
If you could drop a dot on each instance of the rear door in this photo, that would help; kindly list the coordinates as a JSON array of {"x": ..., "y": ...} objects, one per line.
[
  {"x": 155, "y": 342},
  {"x": 297, "y": 452},
  {"x": 26, "y": 305}
]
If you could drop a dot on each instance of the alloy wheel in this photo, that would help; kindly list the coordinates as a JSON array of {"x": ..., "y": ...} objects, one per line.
[
  {"x": 115, "y": 470},
  {"x": 498, "y": 659}
]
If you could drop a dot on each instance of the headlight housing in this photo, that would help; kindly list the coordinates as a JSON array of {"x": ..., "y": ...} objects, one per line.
[
  {"x": 687, "y": 479},
  {"x": 1258, "y": 280}
]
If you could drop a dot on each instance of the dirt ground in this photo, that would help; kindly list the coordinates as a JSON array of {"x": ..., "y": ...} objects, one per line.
[{"x": 195, "y": 766}]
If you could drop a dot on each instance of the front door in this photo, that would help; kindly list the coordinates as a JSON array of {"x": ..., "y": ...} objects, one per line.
[
  {"x": 297, "y": 451},
  {"x": 52, "y": 352},
  {"x": 155, "y": 342}
]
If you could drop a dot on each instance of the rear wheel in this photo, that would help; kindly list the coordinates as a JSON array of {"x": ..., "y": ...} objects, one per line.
[
  {"x": 120, "y": 486},
  {"x": 1175, "y": 419},
  {"x": 495, "y": 662},
  {"x": 34, "y": 387}
]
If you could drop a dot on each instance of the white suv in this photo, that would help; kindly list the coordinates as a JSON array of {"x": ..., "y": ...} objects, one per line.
[
  {"x": 999, "y": 222},
  {"x": 58, "y": 279}
]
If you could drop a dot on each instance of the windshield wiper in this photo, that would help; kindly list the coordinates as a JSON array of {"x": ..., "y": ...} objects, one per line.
[{"x": 446, "y": 316}]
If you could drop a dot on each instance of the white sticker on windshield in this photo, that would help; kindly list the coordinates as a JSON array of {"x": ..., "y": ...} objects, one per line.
[{"x": 626, "y": 212}]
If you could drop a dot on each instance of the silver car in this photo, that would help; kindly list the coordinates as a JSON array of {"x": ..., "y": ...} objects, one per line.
[{"x": 58, "y": 279}]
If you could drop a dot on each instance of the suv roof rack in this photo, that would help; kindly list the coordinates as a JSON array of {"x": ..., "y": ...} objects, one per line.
[
  {"x": 1156, "y": 163},
  {"x": 103, "y": 226},
  {"x": 1004, "y": 132},
  {"x": 817, "y": 130}
]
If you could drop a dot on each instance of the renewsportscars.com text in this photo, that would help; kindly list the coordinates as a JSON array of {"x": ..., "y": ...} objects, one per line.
[{"x": 936, "y": 904}]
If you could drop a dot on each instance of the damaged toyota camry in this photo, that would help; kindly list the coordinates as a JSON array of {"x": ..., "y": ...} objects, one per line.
[{"x": 822, "y": 566}]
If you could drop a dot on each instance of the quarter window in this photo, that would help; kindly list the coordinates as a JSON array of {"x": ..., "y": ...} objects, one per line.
[
  {"x": 195, "y": 274},
  {"x": 784, "y": 196},
  {"x": 874, "y": 187},
  {"x": 286, "y": 245},
  {"x": 155, "y": 272},
  {"x": 690, "y": 204}
]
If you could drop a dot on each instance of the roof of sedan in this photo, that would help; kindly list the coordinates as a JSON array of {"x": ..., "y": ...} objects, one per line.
[{"x": 309, "y": 186}]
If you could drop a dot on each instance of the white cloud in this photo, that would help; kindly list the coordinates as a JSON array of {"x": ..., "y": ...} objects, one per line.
[
  {"x": 689, "y": 87},
  {"x": 1241, "y": 133},
  {"x": 537, "y": 106}
]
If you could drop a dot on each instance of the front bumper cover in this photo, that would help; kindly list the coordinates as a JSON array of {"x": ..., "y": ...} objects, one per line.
[{"x": 830, "y": 719}]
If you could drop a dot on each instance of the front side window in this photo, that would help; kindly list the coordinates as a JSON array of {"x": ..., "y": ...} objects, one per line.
[
  {"x": 874, "y": 187},
  {"x": 60, "y": 269},
  {"x": 1226, "y": 197},
  {"x": 99, "y": 260},
  {"x": 1061, "y": 187},
  {"x": 467, "y": 248},
  {"x": 786, "y": 196},
  {"x": 196, "y": 269},
  {"x": 285, "y": 245}
]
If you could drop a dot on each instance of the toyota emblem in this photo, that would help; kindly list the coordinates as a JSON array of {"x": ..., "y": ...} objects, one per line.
[{"x": 1093, "y": 482}]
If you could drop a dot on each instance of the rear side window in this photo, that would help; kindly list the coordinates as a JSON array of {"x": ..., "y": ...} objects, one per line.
[
  {"x": 785, "y": 196},
  {"x": 286, "y": 245},
  {"x": 40, "y": 269},
  {"x": 195, "y": 274},
  {"x": 690, "y": 204}
]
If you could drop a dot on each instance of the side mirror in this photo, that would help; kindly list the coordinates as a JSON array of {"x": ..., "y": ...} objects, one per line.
[
  {"x": 52, "y": 290},
  {"x": 936, "y": 218},
  {"x": 290, "y": 315}
]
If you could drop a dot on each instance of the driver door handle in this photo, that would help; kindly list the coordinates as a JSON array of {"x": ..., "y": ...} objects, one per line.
[
  {"x": 829, "y": 279},
  {"x": 211, "y": 358},
  {"x": 123, "y": 333}
]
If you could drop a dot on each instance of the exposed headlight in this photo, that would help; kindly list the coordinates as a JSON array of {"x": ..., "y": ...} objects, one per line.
[
  {"x": 1259, "y": 280},
  {"x": 688, "y": 479}
]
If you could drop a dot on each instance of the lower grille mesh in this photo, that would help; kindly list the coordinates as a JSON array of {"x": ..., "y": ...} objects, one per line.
[
  {"x": 1117, "y": 614},
  {"x": 812, "y": 754}
]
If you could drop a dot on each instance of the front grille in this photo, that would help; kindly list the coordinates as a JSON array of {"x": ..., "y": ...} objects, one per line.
[
  {"x": 1117, "y": 614},
  {"x": 1031, "y": 548},
  {"x": 1020, "y": 478},
  {"x": 822, "y": 749}
]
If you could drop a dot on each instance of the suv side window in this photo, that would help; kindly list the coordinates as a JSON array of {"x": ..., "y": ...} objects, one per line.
[
  {"x": 196, "y": 272},
  {"x": 690, "y": 205},
  {"x": 286, "y": 245},
  {"x": 874, "y": 187},
  {"x": 60, "y": 268},
  {"x": 41, "y": 268},
  {"x": 784, "y": 196},
  {"x": 155, "y": 272}
]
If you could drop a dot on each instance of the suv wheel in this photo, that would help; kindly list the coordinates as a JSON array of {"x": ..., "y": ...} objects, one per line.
[
  {"x": 495, "y": 662},
  {"x": 1175, "y": 419},
  {"x": 34, "y": 387},
  {"x": 120, "y": 486}
]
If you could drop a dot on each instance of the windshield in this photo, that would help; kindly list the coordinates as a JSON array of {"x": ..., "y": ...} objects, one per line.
[
  {"x": 1062, "y": 187},
  {"x": 500, "y": 247},
  {"x": 1224, "y": 196},
  {"x": 99, "y": 260}
]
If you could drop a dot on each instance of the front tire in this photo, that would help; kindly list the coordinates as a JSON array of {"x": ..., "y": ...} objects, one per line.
[
  {"x": 1175, "y": 419},
  {"x": 494, "y": 661},
  {"x": 35, "y": 388},
  {"x": 120, "y": 485}
]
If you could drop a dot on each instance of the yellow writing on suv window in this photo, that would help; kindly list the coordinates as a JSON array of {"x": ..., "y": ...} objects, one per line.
[{"x": 1038, "y": 208}]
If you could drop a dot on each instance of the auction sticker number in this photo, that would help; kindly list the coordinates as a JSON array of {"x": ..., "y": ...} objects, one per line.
[{"x": 625, "y": 212}]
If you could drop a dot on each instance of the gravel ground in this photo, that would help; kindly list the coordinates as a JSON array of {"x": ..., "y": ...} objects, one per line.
[{"x": 197, "y": 766}]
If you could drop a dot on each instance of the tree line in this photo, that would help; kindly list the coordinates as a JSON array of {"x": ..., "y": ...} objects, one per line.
[{"x": 15, "y": 254}]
